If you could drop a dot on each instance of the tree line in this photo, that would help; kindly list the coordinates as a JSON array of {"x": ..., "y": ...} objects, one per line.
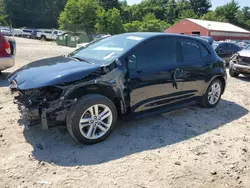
[{"x": 114, "y": 16}]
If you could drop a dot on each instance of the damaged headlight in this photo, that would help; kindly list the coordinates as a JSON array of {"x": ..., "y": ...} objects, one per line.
[
  {"x": 45, "y": 94},
  {"x": 13, "y": 85}
]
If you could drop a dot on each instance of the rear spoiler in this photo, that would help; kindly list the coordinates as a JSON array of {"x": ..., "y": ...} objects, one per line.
[{"x": 210, "y": 40}]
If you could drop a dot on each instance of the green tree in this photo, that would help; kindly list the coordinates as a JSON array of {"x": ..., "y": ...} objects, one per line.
[
  {"x": 110, "y": 4},
  {"x": 243, "y": 17},
  {"x": 189, "y": 13},
  {"x": 228, "y": 11},
  {"x": 200, "y": 7},
  {"x": 211, "y": 16},
  {"x": 3, "y": 15},
  {"x": 79, "y": 15},
  {"x": 41, "y": 14},
  {"x": 133, "y": 26},
  {"x": 153, "y": 26},
  {"x": 109, "y": 22}
]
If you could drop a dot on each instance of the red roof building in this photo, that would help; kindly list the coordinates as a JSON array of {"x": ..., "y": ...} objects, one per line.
[{"x": 217, "y": 30}]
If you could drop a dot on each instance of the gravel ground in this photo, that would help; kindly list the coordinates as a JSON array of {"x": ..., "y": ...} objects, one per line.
[{"x": 191, "y": 147}]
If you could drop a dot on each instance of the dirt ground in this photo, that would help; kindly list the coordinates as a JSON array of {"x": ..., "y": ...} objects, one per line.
[{"x": 192, "y": 147}]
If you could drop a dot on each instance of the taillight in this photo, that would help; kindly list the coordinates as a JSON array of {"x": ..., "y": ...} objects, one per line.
[
  {"x": 6, "y": 46},
  {"x": 5, "y": 50}
]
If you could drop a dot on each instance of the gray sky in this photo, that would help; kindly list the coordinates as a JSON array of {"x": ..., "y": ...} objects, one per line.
[{"x": 215, "y": 3}]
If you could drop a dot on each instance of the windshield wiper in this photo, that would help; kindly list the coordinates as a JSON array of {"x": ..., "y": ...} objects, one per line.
[{"x": 80, "y": 59}]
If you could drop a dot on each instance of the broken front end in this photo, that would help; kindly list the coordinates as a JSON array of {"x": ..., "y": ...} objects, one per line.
[
  {"x": 42, "y": 106},
  {"x": 240, "y": 63}
]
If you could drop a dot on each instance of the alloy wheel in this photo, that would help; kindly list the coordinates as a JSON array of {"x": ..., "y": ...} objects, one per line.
[
  {"x": 96, "y": 121},
  {"x": 214, "y": 93}
]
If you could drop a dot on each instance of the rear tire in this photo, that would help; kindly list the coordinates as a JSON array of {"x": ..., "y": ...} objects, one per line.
[
  {"x": 85, "y": 121},
  {"x": 213, "y": 94},
  {"x": 233, "y": 74}
]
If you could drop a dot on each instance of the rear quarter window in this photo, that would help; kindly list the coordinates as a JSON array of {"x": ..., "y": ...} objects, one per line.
[{"x": 190, "y": 50}]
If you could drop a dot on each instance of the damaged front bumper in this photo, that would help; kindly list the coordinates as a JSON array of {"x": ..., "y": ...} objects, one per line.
[
  {"x": 240, "y": 64},
  {"x": 45, "y": 113}
]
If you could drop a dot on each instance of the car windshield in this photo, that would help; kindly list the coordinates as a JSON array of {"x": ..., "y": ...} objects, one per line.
[
  {"x": 247, "y": 48},
  {"x": 215, "y": 45},
  {"x": 107, "y": 49}
]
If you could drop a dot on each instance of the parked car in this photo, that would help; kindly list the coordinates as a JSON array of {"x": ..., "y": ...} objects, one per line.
[
  {"x": 6, "y": 32},
  {"x": 129, "y": 75},
  {"x": 17, "y": 32},
  {"x": 7, "y": 52},
  {"x": 34, "y": 34},
  {"x": 26, "y": 32},
  {"x": 49, "y": 34},
  {"x": 226, "y": 50},
  {"x": 240, "y": 63}
]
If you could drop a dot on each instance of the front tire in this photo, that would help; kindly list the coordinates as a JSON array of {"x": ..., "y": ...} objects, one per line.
[
  {"x": 233, "y": 74},
  {"x": 213, "y": 94},
  {"x": 92, "y": 119},
  {"x": 43, "y": 38}
]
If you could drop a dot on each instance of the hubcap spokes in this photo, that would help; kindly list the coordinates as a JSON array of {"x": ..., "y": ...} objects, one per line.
[
  {"x": 214, "y": 93},
  {"x": 95, "y": 121}
]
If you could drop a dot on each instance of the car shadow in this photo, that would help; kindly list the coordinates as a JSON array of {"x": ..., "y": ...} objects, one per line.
[
  {"x": 3, "y": 79},
  {"x": 244, "y": 78},
  {"x": 130, "y": 137}
]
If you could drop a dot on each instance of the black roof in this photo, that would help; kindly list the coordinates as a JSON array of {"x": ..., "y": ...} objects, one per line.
[{"x": 147, "y": 35}]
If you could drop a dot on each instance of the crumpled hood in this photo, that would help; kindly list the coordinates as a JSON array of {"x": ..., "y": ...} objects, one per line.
[
  {"x": 244, "y": 53},
  {"x": 51, "y": 71}
]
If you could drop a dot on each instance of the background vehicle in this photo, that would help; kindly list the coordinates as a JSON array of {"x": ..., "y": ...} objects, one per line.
[
  {"x": 17, "y": 32},
  {"x": 7, "y": 52},
  {"x": 226, "y": 50},
  {"x": 6, "y": 32},
  {"x": 49, "y": 34},
  {"x": 128, "y": 75},
  {"x": 240, "y": 63},
  {"x": 26, "y": 32},
  {"x": 33, "y": 34}
]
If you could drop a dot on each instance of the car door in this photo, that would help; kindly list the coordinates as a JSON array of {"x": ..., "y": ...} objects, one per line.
[
  {"x": 197, "y": 66},
  {"x": 232, "y": 49},
  {"x": 155, "y": 75},
  {"x": 222, "y": 51}
]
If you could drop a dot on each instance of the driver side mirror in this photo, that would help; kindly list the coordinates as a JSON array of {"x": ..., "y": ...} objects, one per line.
[{"x": 131, "y": 60}]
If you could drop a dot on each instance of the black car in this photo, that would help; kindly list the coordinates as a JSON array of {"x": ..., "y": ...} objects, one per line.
[
  {"x": 126, "y": 76},
  {"x": 226, "y": 50}
]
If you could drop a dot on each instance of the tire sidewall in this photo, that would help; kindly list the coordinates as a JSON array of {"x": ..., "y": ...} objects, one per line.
[
  {"x": 206, "y": 95},
  {"x": 77, "y": 111},
  {"x": 233, "y": 73}
]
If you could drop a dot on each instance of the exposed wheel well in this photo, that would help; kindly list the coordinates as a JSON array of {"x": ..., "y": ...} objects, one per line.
[{"x": 106, "y": 91}]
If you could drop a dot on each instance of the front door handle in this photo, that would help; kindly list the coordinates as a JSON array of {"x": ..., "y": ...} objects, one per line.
[
  {"x": 174, "y": 78},
  {"x": 139, "y": 71}
]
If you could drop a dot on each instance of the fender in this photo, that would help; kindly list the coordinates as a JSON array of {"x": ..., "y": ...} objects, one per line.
[{"x": 223, "y": 78}]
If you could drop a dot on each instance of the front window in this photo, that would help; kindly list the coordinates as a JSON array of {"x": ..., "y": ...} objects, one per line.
[{"x": 107, "y": 49}]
